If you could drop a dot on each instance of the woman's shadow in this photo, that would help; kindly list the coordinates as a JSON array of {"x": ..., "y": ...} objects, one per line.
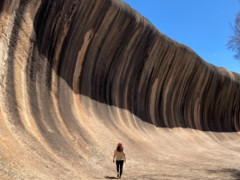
[{"x": 110, "y": 177}]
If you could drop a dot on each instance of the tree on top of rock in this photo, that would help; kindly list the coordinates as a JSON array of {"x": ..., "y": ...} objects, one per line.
[{"x": 234, "y": 42}]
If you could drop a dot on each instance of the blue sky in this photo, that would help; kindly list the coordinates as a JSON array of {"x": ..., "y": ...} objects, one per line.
[{"x": 202, "y": 25}]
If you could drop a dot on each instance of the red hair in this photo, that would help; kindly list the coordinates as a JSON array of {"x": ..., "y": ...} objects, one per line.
[{"x": 119, "y": 147}]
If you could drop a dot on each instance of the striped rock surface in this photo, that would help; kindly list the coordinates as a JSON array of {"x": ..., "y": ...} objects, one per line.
[{"x": 78, "y": 76}]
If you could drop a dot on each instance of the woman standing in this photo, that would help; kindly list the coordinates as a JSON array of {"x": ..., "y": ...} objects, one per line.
[{"x": 120, "y": 159}]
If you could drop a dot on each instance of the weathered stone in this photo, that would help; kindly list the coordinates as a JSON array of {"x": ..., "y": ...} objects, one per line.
[{"x": 76, "y": 76}]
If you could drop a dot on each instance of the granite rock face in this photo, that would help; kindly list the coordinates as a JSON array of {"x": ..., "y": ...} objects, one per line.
[
  {"x": 118, "y": 58},
  {"x": 76, "y": 76}
]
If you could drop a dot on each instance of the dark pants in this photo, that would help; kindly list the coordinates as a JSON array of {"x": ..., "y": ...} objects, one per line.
[{"x": 119, "y": 166}]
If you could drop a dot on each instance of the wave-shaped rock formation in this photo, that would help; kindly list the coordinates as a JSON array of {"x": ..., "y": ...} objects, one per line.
[{"x": 77, "y": 76}]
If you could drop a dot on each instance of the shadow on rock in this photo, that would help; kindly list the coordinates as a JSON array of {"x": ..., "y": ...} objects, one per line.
[
  {"x": 235, "y": 173},
  {"x": 110, "y": 177}
]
